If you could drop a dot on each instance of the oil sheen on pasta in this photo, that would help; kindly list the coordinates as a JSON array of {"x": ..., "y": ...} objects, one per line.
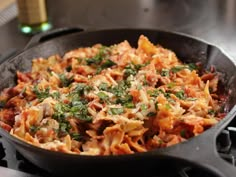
[{"x": 111, "y": 100}]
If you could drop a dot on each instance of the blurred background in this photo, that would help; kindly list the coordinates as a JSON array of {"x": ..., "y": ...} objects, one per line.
[
  {"x": 8, "y": 11},
  {"x": 210, "y": 20}
]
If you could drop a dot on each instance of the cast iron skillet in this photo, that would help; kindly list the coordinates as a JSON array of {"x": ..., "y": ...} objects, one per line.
[{"x": 200, "y": 151}]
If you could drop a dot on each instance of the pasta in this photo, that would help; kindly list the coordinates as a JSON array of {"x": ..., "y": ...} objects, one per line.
[{"x": 111, "y": 100}]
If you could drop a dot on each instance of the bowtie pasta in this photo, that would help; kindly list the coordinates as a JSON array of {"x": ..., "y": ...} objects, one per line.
[{"x": 111, "y": 100}]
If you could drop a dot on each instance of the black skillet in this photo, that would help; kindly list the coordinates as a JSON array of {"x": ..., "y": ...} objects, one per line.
[{"x": 200, "y": 151}]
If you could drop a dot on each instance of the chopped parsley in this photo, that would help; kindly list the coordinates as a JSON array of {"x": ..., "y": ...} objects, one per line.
[
  {"x": 153, "y": 93},
  {"x": 132, "y": 69},
  {"x": 60, "y": 110},
  {"x": 192, "y": 66},
  {"x": 41, "y": 94},
  {"x": 171, "y": 85},
  {"x": 79, "y": 110},
  {"x": 104, "y": 98},
  {"x": 166, "y": 94},
  {"x": 101, "y": 60},
  {"x": 183, "y": 133},
  {"x": 151, "y": 114},
  {"x": 103, "y": 86},
  {"x": 129, "y": 105},
  {"x": 144, "y": 107},
  {"x": 165, "y": 72},
  {"x": 77, "y": 136},
  {"x": 107, "y": 63},
  {"x": 120, "y": 89},
  {"x": 81, "y": 89},
  {"x": 2, "y": 103},
  {"x": 69, "y": 68},
  {"x": 55, "y": 95},
  {"x": 76, "y": 109},
  {"x": 167, "y": 106},
  {"x": 65, "y": 81},
  {"x": 120, "y": 92},
  {"x": 34, "y": 128},
  {"x": 156, "y": 106},
  {"x": 211, "y": 112},
  {"x": 180, "y": 94},
  {"x": 116, "y": 111},
  {"x": 124, "y": 99},
  {"x": 178, "y": 68},
  {"x": 191, "y": 99},
  {"x": 97, "y": 59},
  {"x": 64, "y": 128}
]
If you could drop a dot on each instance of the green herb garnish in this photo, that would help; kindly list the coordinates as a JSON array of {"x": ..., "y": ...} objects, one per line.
[
  {"x": 153, "y": 93},
  {"x": 77, "y": 136},
  {"x": 177, "y": 68},
  {"x": 69, "y": 68},
  {"x": 171, "y": 85},
  {"x": 64, "y": 128},
  {"x": 132, "y": 69},
  {"x": 103, "y": 97},
  {"x": 80, "y": 111},
  {"x": 191, "y": 99},
  {"x": 129, "y": 105},
  {"x": 115, "y": 111},
  {"x": 151, "y": 114},
  {"x": 34, "y": 128},
  {"x": 143, "y": 107},
  {"x": 180, "y": 94},
  {"x": 211, "y": 112},
  {"x": 55, "y": 95},
  {"x": 183, "y": 133},
  {"x": 103, "y": 86},
  {"x": 2, "y": 103},
  {"x": 107, "y": 63},
  {"x": 167, "y": 106},
  {"x": 192, "y": 66},
  {"x": 41, "y": 94},
  {"x": 97, "y": 59},
  {"x": 65, "y": 81},
  {"x": 81, "y": 89},
  {"x": 165, "y": 72}
]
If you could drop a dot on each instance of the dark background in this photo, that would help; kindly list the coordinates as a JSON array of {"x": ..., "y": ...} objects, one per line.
[{"x": 211, "y": 20}]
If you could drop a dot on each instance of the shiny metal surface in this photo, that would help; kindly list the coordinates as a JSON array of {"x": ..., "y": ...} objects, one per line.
[
  {"x": 6, "y": 172},
  {"x": 211, "y": 20}
]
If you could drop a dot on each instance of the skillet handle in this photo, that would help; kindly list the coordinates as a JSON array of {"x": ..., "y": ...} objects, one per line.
[
  {"x": 204, "y": 159},
  {"x": 201, "y": 150},
  {"x": 44, "y": 36}
]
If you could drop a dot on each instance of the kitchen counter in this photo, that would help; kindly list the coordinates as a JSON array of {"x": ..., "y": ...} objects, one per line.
[{"x": 210, "y": 20}]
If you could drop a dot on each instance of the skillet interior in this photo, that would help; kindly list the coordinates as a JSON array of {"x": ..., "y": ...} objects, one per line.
[{"x": 187, "y": 49}]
